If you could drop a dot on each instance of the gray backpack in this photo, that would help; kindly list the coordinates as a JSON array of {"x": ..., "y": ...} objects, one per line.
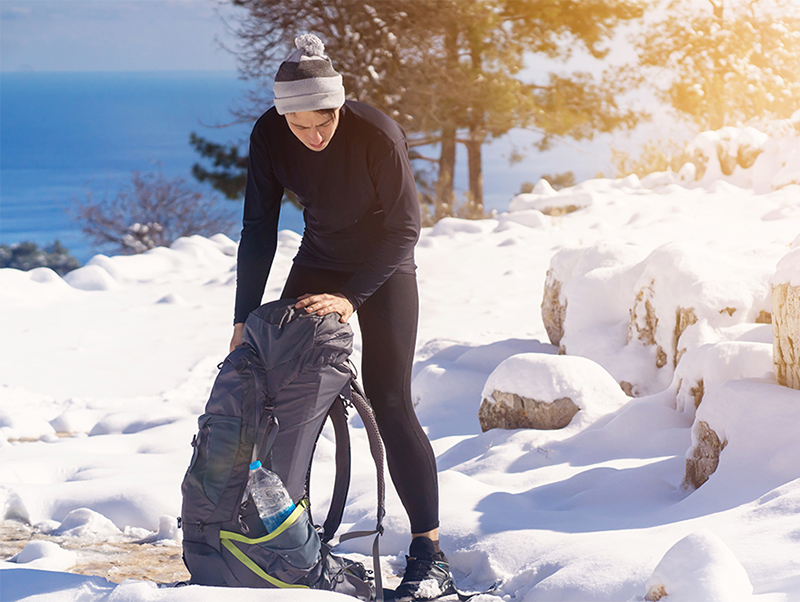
[{"x": 269, "y": 402}]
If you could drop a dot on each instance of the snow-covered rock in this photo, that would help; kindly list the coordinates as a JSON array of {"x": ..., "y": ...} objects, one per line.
[
  {"x": 638, "y": 316},
  {"x": 87, "y": 524},
  {"x": 786, "y": 320},
  {"x": 738, "y": 430},
  {"x": 704, "y": 369},
  {"x": 552, "y": 203},
  {"x": 699, "y": 567},
  {"x": 542, "y": 391},
  {"x": 45, "y": 555}
]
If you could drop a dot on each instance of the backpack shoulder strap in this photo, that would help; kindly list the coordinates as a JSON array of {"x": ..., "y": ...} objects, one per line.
[
  {"x": 364, "y": 409},
  {"x": 341, "y": 484}
]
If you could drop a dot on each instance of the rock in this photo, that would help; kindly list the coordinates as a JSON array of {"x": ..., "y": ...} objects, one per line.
[
  {"x": 786, "y": 334},
  {"x": 643, "y": 325},
  {"x": 511, "y": 411},
  {"x": 643, "y": 322},
  {"x": 683, "y": 319},
  {"x": 705, "y": 457},
  {"x": 764, "y": 317},
  {"x": 554, "y": 309}
]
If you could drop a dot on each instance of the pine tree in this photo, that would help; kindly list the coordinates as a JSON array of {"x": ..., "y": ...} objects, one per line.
[{"x": 27, "y": 255}]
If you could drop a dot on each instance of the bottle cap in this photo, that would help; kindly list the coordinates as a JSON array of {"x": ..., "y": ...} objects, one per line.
[{"x": 255, "y": 465}]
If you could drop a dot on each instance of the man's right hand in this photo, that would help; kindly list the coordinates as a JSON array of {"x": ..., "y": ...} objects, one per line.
[{"x": 236, "y": 340}]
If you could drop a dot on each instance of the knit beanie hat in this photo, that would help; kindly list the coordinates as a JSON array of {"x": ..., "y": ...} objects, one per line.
[{"x": 307, "y": 81}]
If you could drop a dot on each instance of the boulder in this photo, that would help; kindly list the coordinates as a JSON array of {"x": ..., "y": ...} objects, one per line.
[
  {"x": 786, "y": 334},
  {"x": 704, "y": 457},
  {"x": 512, "y": 411},
  {"x": 554, "y": 309}
]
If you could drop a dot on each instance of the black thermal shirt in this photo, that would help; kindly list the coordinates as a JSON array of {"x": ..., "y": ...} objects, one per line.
[{"x": 358, "y": 196}]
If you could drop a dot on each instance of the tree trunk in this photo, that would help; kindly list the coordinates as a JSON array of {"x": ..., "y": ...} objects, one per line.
[
  {"x": 447, "y": 166},
  {"x": 445, "y": 198},
  {"x": 476, "y": 136},
  {"x": 475, "y": 164}
]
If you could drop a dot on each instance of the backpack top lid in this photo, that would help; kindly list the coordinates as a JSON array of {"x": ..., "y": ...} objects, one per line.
[{"x": 288, "y": 340}]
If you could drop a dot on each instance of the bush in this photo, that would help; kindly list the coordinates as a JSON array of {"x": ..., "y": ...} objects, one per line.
[
  {"x": 560, "y": 180},
  {"x": 27, "y": 256},
  {"x": 152, "y": 213},
  {"x": 655, "y": 155}
]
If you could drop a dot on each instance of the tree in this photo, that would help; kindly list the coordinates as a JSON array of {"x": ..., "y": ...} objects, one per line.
[
  {"x": 152, "y": 213},
  {"x": 731, "y": 62},
  {"x": 485, "y": 43},
  {"x": 447, "y": 69},
  {"x": 27, "y": 256},
  {"x": 228, "y": 174}
]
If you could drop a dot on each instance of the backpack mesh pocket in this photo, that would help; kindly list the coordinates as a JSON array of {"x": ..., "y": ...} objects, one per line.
[{"x": 283, "y": 558}]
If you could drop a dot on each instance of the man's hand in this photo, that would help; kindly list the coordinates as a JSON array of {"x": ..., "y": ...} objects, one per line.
[
  {"x": 236, "y": 340},
  {"x": 326, "y": 304}
]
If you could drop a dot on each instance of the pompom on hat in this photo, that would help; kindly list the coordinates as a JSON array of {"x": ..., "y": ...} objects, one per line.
[{"x": 306, "y": 80}]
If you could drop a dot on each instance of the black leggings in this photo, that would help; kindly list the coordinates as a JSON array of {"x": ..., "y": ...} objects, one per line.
[{"x": 388, "y": 321}]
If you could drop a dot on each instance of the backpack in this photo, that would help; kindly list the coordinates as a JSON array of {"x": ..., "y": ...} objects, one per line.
[{"x": 269, "y": 402}]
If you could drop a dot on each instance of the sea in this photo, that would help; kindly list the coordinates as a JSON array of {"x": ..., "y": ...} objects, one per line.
[{"x": 65, "y": 135}]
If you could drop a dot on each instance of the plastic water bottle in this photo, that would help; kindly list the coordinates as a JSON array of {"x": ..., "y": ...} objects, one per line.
[{"x": 270, "y": 496}]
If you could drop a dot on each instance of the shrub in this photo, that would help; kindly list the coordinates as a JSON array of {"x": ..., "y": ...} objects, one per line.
[
  {"x": 153, "y": 212},
  {"x": 560, "y": 180},
  {"x": 27, "y": 256}
]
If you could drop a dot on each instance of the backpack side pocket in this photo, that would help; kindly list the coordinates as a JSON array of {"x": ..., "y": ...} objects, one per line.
[{"x": 215, "y": 450}]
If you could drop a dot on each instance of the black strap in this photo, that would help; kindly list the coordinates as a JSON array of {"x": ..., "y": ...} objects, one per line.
[
  {"x": 338, "y": 416},
  {"x": 364, "y": 410},
  {"x": 341, "y": 484}
]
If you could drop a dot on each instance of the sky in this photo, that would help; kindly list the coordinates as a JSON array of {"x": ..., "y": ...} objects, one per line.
[{"x": 114, "y": 35}]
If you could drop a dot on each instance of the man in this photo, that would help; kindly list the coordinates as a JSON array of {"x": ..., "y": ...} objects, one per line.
[{"x": 348, "y": 165}]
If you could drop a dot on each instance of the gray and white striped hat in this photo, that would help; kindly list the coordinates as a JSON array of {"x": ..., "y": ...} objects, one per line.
[{"x": 306, "y": 80}]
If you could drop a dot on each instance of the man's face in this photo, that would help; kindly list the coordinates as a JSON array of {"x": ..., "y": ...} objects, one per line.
[{"x": 312, "y": 128}]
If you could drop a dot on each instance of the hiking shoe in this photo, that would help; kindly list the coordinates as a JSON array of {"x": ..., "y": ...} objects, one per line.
[{"x": 427, "y": 575}]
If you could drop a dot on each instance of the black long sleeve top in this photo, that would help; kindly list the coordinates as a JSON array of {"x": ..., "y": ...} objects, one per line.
[{"x": 358, "y": 196}]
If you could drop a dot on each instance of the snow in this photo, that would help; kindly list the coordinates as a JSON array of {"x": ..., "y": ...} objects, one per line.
[
  {"x": 788, "y": 270},
  {"x": 104, "y": 373}
]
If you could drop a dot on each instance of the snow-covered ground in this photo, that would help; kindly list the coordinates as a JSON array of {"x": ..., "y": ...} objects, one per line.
[{"x": 104, "y": 373}]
